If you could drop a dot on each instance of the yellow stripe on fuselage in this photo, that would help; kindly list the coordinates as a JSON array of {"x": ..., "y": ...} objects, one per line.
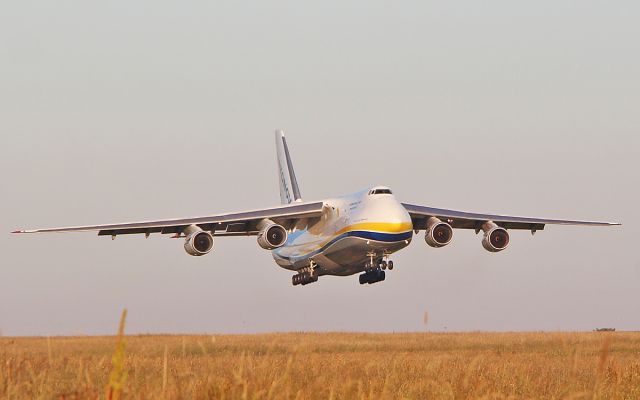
[{"x": 385, "y": 227}]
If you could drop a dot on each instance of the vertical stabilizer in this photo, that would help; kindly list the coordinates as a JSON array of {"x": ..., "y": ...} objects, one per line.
[{"x": 289, "y": 191}]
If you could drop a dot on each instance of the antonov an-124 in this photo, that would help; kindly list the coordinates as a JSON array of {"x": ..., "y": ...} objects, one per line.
[{"x": 354, "y": 234}]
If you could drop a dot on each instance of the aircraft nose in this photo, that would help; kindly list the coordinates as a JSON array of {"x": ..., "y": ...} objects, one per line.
[
  {"x": 395, "y": 215},
  {"x": 401, "y": 217}
]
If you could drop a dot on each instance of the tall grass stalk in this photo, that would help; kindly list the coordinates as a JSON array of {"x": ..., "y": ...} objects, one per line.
[
  {"x": 164, "y": 372},
  {"x": 118, "y": 372}
]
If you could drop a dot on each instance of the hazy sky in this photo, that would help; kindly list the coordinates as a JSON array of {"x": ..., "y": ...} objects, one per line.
[{"x": 133, "y": 110}]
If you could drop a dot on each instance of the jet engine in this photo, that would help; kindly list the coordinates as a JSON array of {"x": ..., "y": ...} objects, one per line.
[
  {"x": 495, "y": 238},
  {"x": 198, "y": 243},
  {"x": 438, "y": 233},
  {"x": 271, "y": 235}
]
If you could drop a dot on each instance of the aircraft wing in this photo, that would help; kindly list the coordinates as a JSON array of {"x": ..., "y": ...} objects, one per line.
[
  {"x": 468, "y": 220},
  {"x": 233, "y": 224}
]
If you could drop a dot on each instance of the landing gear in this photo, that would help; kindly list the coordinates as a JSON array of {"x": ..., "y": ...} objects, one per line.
[
  {"x": 305, "y": 276},
  {"x": 374, "y": 268},
  {"x": 372, "y": 276}
]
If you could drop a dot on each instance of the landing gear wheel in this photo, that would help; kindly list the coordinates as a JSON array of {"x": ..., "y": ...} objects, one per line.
[
  {"x": 390, "y": 265},
  {"x": 304, "y": 278},
  {"x": 383, "y": 265},
  {"x": 373, "y": 276}
]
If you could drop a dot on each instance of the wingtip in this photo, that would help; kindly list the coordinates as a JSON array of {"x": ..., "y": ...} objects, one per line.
[
  {"x": 17, "y": 232},
  {"x": 280, "y": 132}
]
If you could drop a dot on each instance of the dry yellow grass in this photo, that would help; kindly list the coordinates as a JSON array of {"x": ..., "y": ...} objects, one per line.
[{"x": 328, "y": 366}]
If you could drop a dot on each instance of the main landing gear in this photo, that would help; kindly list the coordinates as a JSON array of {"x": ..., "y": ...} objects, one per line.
[
  {"x": 372, "y": 276},
  {"x": 374, "y": 272},
  {"x": 305, "y": 276}
]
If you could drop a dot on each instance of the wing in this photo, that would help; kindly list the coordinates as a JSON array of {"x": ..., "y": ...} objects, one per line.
[
  {"x": 467, "y": 220},
  {"x": 233, "y": 224}
]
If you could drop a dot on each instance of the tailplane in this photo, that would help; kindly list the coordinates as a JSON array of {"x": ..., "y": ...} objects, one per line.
[{"x": 289, "y": 191}]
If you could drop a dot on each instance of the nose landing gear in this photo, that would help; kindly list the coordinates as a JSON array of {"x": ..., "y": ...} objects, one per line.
[{"x": 386, "y": 264}]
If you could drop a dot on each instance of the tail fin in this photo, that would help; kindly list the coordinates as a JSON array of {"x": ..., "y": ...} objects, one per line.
[{"x": 289, "y": 191}]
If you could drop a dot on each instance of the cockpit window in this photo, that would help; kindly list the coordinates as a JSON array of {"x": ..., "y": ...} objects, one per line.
[{"x": 381, "y": 191}]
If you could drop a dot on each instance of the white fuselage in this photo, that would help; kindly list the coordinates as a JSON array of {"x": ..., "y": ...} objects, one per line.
[{"x": 351, "y": 231}]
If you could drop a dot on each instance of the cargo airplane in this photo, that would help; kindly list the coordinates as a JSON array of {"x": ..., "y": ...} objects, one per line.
[{"x": 341, "y": 236}]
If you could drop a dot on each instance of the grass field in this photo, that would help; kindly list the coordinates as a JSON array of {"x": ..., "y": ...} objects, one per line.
[{"x": 325, "y": 366}]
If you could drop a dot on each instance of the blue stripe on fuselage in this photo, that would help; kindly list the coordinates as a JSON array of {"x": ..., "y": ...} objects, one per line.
[{"x": 377, "y": 236}]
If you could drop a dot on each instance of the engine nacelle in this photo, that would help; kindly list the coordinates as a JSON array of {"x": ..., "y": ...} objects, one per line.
[
  {"x": 495, "y": 238},
  {"x": 198, "y": 243},
  {"x": 271, "y": 235},
  {"x": 438, "y": 233}
]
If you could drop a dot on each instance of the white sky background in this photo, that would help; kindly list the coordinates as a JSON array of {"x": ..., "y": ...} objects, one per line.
[{"x": 133, "y": 110}]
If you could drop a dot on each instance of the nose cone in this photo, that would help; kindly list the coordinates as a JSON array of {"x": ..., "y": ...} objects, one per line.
[{"x": 386, "y": 209}]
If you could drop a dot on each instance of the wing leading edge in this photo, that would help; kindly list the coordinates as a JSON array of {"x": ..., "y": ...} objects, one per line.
[
  {"x": 232, "y": 224},
  {"x": 467, "y": 220}
]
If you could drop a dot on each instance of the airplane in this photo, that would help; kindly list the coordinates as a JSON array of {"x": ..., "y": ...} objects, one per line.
[{"x": 353, "y": 234}]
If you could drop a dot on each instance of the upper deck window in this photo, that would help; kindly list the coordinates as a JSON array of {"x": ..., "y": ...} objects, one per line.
[{"x": 380, "y": 191}]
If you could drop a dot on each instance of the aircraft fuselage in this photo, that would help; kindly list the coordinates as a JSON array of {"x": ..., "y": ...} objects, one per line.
[{"x": 351, "y": 231}]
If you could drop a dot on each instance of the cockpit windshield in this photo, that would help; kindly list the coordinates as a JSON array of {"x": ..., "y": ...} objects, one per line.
[{"x": 380, "y": 191}]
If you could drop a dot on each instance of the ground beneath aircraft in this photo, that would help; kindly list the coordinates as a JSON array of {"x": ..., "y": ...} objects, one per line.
[{"x": 325, "y": 366}]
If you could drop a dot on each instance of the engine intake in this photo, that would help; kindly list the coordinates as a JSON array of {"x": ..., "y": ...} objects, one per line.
[
  {"x": 198, "y": 243},
  {"x": 438, "y": 233},
  {"x": 495, "y": 238},
  {"x": 271, "y": 235}
]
